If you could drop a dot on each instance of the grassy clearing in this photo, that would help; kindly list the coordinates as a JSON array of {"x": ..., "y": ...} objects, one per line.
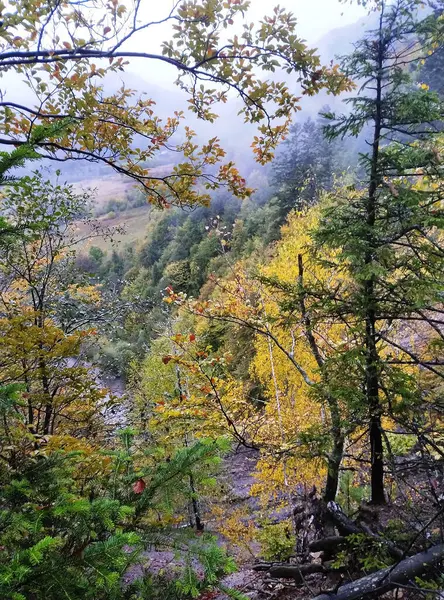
[
  {"x": 134, "y": 221},
  {"x": 106, "y": 188}
]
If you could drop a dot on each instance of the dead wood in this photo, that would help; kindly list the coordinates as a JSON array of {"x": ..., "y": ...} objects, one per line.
[
  {"x": 289, "y": 571},
  {"x": 327, "y": 544},
  {"x": 295, "y": 572},
  {"x": 383, "y": 581},
  {"x": 347, "y": 527}
]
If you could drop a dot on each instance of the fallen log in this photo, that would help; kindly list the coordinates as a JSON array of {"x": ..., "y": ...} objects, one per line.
[
  {"x": 347, "y": 527},
  {"x": 289, "y": 571},
  {"x": 343, "y": 524},
  {"x": 390, "y": 578},
  {"x": 328, "y": 544},
  {"x": 295, "y": 572},
  {"x": 262, "y": 566}
]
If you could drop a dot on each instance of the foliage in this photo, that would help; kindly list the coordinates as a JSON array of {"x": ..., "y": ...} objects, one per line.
[
  {"x": 334, "y": 300},
  {"x": 351, "y": 494},
  {"x": 319, "y": 353},
  {"x": 237, "y": 527},
  {"x": 305, "y": 167},
  {"x": 289, "y": 426},
  {"x": 54, "y": 541},
  {"x": 277, "y": 540},
  {"x": 68, "y": 531},
  {"x": 401, "y": 444},
  {"x": 366, "y": 551},
  {"x": 16, "y": 159},
  {"x": 48, "y": 311},
  {"x": 385, "y": 233},
  {"x": 60, "y": 50}
]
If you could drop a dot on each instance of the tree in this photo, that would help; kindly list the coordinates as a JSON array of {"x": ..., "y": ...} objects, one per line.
[
  {"x": 386, "y": 232},
  {"x": 305, "y": 167},
  {"x": 74, "y": 518},
  {"x": 65, "y": 50},
  {"x": 158, "y": 386},
  {"x": 296, "y": 282},
  {"x": 47, "y": 313},
  {"x": 18, "y": 158},
  {"x": 303, "y": 415},
  {"x": 431, "y": 72}
]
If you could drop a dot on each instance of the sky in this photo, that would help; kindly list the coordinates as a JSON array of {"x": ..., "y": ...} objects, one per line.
[{"x": 315, "y": 19}]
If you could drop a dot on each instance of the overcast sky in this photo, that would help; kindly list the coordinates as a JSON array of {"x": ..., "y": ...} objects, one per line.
[{"x": 315, "y": 18}]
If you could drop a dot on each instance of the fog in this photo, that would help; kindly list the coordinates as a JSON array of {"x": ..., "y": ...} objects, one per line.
[
  {"x": 328, "y": 25},
  {"x": 315, "y": 19}
]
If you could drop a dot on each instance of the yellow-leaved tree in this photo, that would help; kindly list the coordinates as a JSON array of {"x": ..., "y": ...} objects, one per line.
[
  {"x": 299, "y": 362},
  {"x": 47, "y": 316}
]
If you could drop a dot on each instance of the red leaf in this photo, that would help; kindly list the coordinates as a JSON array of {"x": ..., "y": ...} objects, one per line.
[
  {"x": 166, "y": 359},
  {"x": 106, "y": 30},
  {"x": 192, "y": 337},
  {"x": 139, "y": 486}
]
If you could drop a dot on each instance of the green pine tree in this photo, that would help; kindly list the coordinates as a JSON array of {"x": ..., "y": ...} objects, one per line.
[{"x": 386, "y": 230}]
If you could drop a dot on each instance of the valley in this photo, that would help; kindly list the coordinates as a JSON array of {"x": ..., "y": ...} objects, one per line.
[{"x": 221, "y": 300}]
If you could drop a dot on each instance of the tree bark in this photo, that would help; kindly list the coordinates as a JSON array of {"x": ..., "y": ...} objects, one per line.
[
  {"x": 334, "y": 459},
  {"x": 195, "y": 506},
  {"x": 288, "y": 571},
  {"x": 328, "y": 544},
  {"x": 369, "y": 296}
]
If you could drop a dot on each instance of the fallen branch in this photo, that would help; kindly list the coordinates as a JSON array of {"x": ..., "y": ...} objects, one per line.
[
  {"x": 388, "y": 579},
  {"x": 344, "y": 525},
  {"x": 328, "y": 544},
  {"x": 262, "y": 566},
  {"x": 295, "y": 572},
  {"x": 289, "y": 571},
  {"x": 347, "y": 527}
]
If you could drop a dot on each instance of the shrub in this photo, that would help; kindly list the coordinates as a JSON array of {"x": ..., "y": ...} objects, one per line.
[
  {"x": 73, "y": 521},
  {"x": 277, "y": 541}
]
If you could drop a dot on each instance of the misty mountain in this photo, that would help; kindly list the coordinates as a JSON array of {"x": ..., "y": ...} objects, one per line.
[{"x": 235, "y": 135}]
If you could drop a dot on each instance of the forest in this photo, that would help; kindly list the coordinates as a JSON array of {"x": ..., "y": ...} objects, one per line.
[{"x": 224, "y": 380}]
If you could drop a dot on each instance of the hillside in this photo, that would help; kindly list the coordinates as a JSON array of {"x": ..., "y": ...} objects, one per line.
[{"x": 221, "y": 373}]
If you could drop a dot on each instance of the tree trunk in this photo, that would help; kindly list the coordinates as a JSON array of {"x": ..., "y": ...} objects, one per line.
[
  {"x": 377, "y": 458},
  {"x": 334, "y": 463},
  {"x": 336, "y": 453},
  {"x": 46, "y": 392},
  {"x": 48, "y": 399},
  {"x": 372, "y": 392},
  {"x": 369, "y": 294},
  {"x": 195, "y": 506}
]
